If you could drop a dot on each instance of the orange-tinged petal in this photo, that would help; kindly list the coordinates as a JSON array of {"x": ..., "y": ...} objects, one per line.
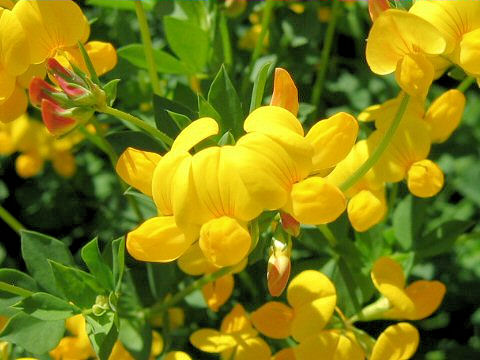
[
  {"x": 396, "y": 33},
  {"x": 332, "y": 139},
  {"x": 444, "y": 114},
  {"x": 397, "y": 342},
  {"x": 194, "y": 133},
  {"x": 46, "y": 19},
  {"x": 328, "y": 345},
  {"x": 224, "y": 241},
  {"x": 308, "y": 286},
  {"x": 285, "y": 93},
  {"x": 316, "y": 200},
  {"x": 278, "y": 272},
  {"x": 273, "y": 319},
  {"x": 427, "y": 297},
  {"x": 158, "y": 240},
  {"x": 285, "y": 354},
  {"x": 136, "y": 168},
  {"x": 425, "y": 179},
  {"x": 217, "y": 293},
  {"x": 212, "y": 341},
  {"x": 376, "y": 7}
]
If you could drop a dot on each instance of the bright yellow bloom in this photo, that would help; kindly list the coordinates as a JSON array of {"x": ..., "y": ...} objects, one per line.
[
  {"x": 177, "y": 355},
  {"x": 284, "y": 354},
  {"x": 425, "y": 178},
  {"x": 414, "y": 302},
  {"x": 397, "y": 342},
  {"x": 312, "y": 297},
  {"x": 236, "y": 337},
  {"x": 330, "y": 344}
]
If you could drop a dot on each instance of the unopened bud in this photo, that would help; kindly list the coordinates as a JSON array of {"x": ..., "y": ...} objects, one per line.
[
  {"x": 59, "y": 121},
  {"x": 376, "y": 7},
  {"x": 290, "y": 225},
  {"x": 57, "y": 70},
  {"x": 278, "y": 270},
  {"x": 39, "y": 89}
]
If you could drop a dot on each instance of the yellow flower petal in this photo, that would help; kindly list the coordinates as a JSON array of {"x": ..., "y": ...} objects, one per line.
[
  {"x": 158, "y": 240},
  {"x": 64, "y": 163},
  {"x": 136, "y": 168},
  {"x": 14, "y": 50},
  {"x": 194, "y": 133},
  {"x": 273, "y": 319},
  {"x": 34, "y": 70},
  {"x": 7, "y": 4},
  {"x": 415, "y": 74},
  {"x": 236, "y": 322},
  {"x": 46, "y": 19},
  {"x": 388, "y": 277},
  {"x": 308, "y": 286},
  {"x": 285, "y": 354},
  {"x": 193, "y": 262},
  {"x": 272, "y": 121},
  {"x": 7, "y": 86},
  {"x": 316, "y": 201},
  {"x": 224, "y": 241},
  {"x": 212, "y": 341},
  {"x": 312, "y": 317},
  {"x": 217, "y": 293},
  {"x": 396, "y": 33},
  {"x": 366, "y": 209},
  {"x": 177, "y": 355},
  {"x": 102, "y": 54},
  {"x": 250, "y": 348},
  {"x": 425, "y": 179},
  {"x": 14, "y": 106},
  {"x": 444, "y": 114},
  {"x": 329, "y": 345},
  {"x": 332, "y": 140},
  {"x": 427, "y": 297},
  {"x": 285, "y": 93},
  {"x": 397, "y": 342}
]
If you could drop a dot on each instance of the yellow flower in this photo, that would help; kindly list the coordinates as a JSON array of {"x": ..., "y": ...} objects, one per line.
[
  {"x": 414, "y": 302},
  {"x": 459, "y": 24},
  {"x": 330, "y": 344},
  {"x": 312, "y": 297},
  {"x": 236, "y": 340},
  {"x": 397, "y": 342},
  {"x": 401, "y": 41}
]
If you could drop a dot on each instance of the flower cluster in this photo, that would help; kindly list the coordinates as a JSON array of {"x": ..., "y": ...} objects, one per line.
[
  {"x": 308, "y": 321},
  {"x": 37, "y": 31}
]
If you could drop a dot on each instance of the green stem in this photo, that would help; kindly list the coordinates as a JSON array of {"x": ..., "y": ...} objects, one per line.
[
  {"x": 466, "y": 83},
  {"x": 327, "y": 233},
  {"x": 226, "y": 43},
  {"x": 325, "y": 56},
  {"x": 380, "y": 149},
  {"x": 165, "y": 139},
  {"x": 373, "y": 311},
  {"x": 10, "y": 220},
  {"x": 147, "y": 47},
  {"x": 266, "y": 18},
  {"x": 12, "y": 289},
  {"x": 196, "y": 285}
]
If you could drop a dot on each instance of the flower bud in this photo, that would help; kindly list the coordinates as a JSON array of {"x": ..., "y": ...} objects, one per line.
[
  {"x": 290, "y": 225},
  {"x": 57, "y": 70},
  {"x": 376, "y": 7},
  {"x": 278, "y": 270},
  {"x": 425, "y": 179},
  {"x": 59, "y": 121},
  {"x": 39, "y": 89}
]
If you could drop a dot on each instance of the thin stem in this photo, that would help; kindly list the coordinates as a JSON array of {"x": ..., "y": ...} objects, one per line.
[
  {"x": 380, "y": 149},
  {"x": 226, "y": 43},
  {"x": 327, "y": 233},
  {"x": 325, "y": 56},
  {"x": 164, "y": 138},
  {"x": 266, "y": 18},
  {"x": 345, "y": 321},
  {"x": 466, "y": 83},
  {"x": 10, "y": 220},
  {"x": 373, "y": 311},
  {"x": 196, "y": 285},
  {"x": 12, "y": 289},
  {"x": 147, "y": 47}
]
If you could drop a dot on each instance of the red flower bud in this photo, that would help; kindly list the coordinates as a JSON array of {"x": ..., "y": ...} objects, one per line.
[
  {"x": 72, "y": 90},
  {"x": 289, "y": 224},
  {"x": 55, "y": 119},
  {"x": 39, "y": 89}
]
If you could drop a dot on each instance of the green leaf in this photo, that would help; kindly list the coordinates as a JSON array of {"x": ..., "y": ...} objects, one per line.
[
  {"x": 95, "y": 263},
  {"x": 103, "y": 333},
  {"x": 180, "y": 120},
  {"x": 441, "y": 239},
  {"x": 170, "y": 125},
  {"x": 226, "y": 139},
  {"x": 224, "y": 99},
  {"x": 118, "y": 253},
  {"x": 78, "y": 286},
  {"x": 122, "y": 4},
  {"x": 207, "y": 110},
  {"x": 37, "y": 249},
  {"x": 408, "y": 220},
  {"x": 34, "y": 335},
  {"x": 162, "y": 279},
  {"x": 136, "y": 336},
  {"x": 110, "y": 89},
  {"x": 17, "y": 278},
  {"x": 120, "y": 140},
  {"x": 196, "y": 12},
  {"x": 46, "y": 307},
  {"x": 188, "y": 41},
  {"x": 259, "y": 85},
  {"x": 165, "y": 63}
]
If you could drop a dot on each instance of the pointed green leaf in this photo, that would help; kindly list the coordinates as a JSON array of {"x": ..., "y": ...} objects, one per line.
[
  {"x": 103, "y": 333},
  {"x": 98, "y": 268},
  {"x": 136, "y": 336},
  {"x": 259, "y": 85},
  {"x": 16, "y": 278},
  {"x": 46, "y": 307},
  {"x": 118, "y": 253}
]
